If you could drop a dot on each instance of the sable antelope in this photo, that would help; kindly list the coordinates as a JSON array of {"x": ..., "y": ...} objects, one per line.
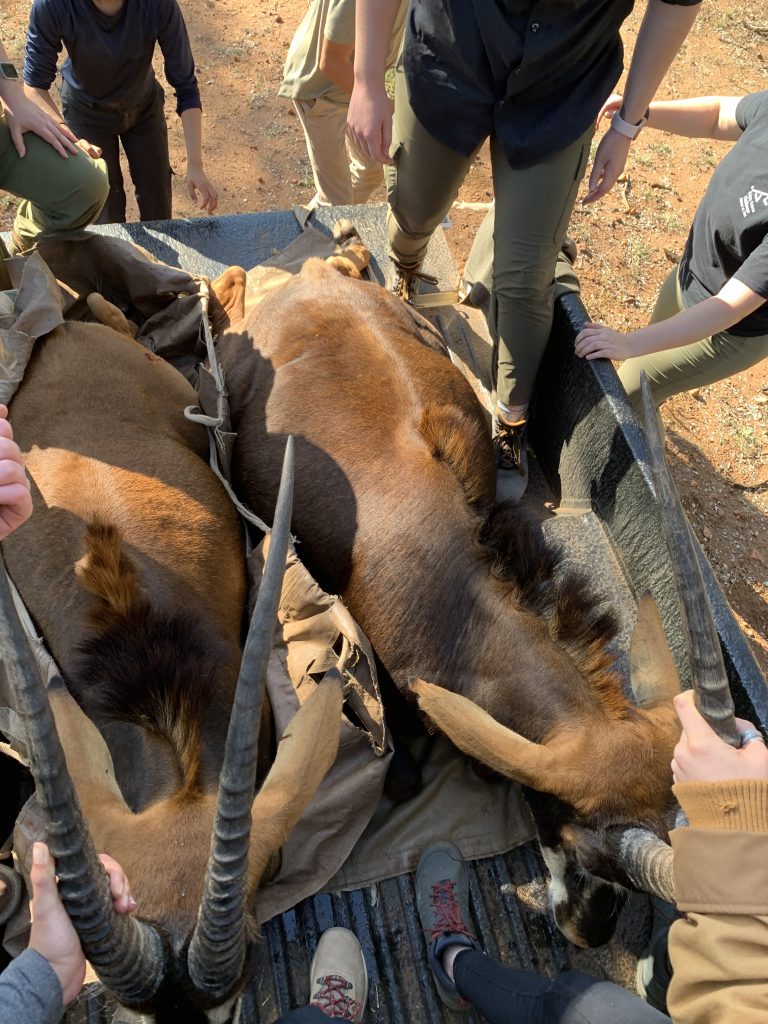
[
  {"x": 460, "y": 598},
  {"x": 132, "y": 568}
]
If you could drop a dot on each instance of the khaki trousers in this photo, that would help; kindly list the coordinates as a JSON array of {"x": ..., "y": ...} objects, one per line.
[
  {"x": 690, "y": 366},
  {"x": 343, "y": 176},
  {"x": 58, "y": 195},
  {"x": 528, "y": 225}
]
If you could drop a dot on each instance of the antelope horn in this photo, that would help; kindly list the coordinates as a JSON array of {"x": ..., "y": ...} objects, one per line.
[
  {"x": 128, "y": 955},
  {"x": 710, "y": 682},
  {"x": 216, "y": 955},
  {"x": 647, "y": 861}
]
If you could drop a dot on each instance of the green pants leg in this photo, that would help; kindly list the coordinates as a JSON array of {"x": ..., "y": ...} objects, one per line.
[
  {"x": 422, "y": 184},
  {"x": 58, "y": 195},
  {"x": 690, "y": 366},
  {"x": 532, "y": 210}
]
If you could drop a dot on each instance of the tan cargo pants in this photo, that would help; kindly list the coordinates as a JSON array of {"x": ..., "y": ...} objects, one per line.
[{"x": 343, "y": 176}]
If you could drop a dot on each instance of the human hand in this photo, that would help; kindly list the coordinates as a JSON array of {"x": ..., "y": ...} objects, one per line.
[
  {"x": 24, "y": 115},
  {"x": 369, "y": 122},
  {"x": 596, "y": 341},
  {"x": 15, "y": 497},
  {"x": 608, "y": 164},
  {"x": 201, "y": 190},
  {"x": 701, "y": 756},
  {"x": 94, "y": 152},
  {"x": 53, "y": 936},
  {"x": 610, "y": 107}
]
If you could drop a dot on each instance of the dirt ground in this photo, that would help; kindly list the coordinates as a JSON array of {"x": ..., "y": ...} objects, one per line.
[{"x": 718, "y": 436}]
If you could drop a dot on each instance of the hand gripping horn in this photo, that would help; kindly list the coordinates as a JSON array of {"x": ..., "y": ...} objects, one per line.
[
  {"x": 216, "y": 957},
  {"x": 128, "y": 956}
]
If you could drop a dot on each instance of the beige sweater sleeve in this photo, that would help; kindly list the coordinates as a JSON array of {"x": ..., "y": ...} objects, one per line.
[{"x": 719, "y": 949}]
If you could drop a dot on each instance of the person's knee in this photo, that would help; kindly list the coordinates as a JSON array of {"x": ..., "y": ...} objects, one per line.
[
  {"x": 527, "y": 297},
  {"x": 92, "y": 191}
]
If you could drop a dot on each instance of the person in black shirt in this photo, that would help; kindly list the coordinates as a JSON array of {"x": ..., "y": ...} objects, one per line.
[
  {"x": 532, "y": 75},
  {"x": 711, "y": 316},
  {"x": 110, "y": 95}
]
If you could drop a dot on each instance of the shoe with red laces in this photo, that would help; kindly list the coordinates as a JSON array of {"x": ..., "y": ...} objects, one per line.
[
  {"x": 442, "y": 899},
  {"x": 338, "y": 977}
]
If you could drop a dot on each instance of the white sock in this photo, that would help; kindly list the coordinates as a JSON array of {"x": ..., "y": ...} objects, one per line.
[
  {"x": 448, "y": 957},
  {"x": 512, "y": 415}
]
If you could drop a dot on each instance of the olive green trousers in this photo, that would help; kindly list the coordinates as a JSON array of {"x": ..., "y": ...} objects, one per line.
[
  {"x": 524, "y": 233},
  {"x": 689, "y": 366},
  {"x": 58, "y": 195}
]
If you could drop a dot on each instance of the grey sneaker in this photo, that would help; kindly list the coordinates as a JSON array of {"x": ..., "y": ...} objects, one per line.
[
  {"x": 511, "y": 448},
  {"x": 338, "y": 977},
  {"x": 442, "y": 899}
]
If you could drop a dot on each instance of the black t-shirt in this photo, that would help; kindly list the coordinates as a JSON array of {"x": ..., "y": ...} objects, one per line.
[
  {"x": 534, "y": 72},
  {"x": 729, "y": 236}
]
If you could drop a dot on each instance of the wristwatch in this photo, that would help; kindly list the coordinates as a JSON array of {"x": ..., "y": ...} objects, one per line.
[
  {"x": 8, "y": 70},
  {"x": 626, "y": 128}
]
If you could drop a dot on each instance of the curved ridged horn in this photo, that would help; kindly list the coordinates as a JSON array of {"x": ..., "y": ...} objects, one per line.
[
  {"x": 710, "y": 682},
  {"x": 127, "y": 955},
  {"x": 216, "y": 955},
  {"x": 647, "y": 861}
]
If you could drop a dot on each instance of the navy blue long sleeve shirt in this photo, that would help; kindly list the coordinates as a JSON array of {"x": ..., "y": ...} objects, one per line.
[{"x": 109, "y": 58}]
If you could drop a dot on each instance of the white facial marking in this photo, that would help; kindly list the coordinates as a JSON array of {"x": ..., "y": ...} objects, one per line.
[{"x": 555, "y": 861}]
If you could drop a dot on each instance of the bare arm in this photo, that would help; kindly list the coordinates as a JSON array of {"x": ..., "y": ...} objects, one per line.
[
  {"x": 732, "y": 303},
  {"x": 370, "y": 109},
  {"x": 700, "y": 117},
  {"x": 201, "y": 190},
  {"x": 703, "y": 117},
  {"x": 661, "y": 35},
  {"x": 336, "y": 64},
  {"x": 43, "y": 98}
]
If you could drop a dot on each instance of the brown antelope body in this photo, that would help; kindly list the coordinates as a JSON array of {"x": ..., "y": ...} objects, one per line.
[
  {"x": 393, "y": 510},
  {"x": 132, "y": 567}
]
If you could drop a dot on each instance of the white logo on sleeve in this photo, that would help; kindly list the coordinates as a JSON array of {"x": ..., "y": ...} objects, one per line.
[{"x": 752, "y": 199}]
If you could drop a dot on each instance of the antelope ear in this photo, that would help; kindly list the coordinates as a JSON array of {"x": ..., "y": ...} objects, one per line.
[
  {"x": 88, "y": 758},
  {"x": 305, "y": 753},
  {"x": 109, "y": 315},
  {"x": 653, "y": 672},
  {"x": 474, "y": 731},
  {"x": 227, "y": 305}
]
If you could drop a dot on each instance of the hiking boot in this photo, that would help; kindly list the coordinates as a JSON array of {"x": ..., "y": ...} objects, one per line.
[
  {"x": 404, "y": 281},
  {"x": 338, "y": 978},
  {"x": 511, "y": 450},
  {"x": 654, "y": 971},
  {"x": 442, "y": 899}
]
